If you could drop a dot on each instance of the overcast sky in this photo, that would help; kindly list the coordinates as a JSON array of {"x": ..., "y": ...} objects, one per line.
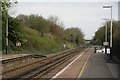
[{"x": 82, "y": 14}]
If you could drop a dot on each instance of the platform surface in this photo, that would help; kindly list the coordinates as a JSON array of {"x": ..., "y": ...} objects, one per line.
[{"x": 89, "y": 65}]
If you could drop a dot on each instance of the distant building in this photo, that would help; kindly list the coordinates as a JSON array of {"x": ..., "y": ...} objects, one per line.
[
  {"x": 87, "y": 41},
  {"x": 119, "y": 10}
]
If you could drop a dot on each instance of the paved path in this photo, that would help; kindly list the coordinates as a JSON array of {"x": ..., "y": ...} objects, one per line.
[{"x": 96, "y": 67}]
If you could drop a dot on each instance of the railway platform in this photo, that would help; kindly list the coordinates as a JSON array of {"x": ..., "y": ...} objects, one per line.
[
  {"x": 10, "y": 56},
  {"x": 89, "y": 65}
]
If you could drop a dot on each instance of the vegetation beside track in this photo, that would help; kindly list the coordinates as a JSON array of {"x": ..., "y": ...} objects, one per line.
[{"x": 36, "y": 33}]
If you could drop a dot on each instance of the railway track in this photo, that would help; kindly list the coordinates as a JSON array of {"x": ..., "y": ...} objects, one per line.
[
  {"x": 40, "y": 67},
  {"x": 10, "y": 65},
  {"x": 42, "y": 70}
]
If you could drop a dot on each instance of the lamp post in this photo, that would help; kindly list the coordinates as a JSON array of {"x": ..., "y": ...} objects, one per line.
[
  {"x": 106, "y": 42},
  {"x": 110, "y": 31},
  {"x": 106, "y": 29},
  {"x": 6, "y": 35}
]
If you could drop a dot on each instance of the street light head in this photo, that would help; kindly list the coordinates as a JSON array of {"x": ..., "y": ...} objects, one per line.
[
  {"x": 106, "y": 19},
  {"x": 103, "y": 19},
  {"x": 107, "y": 6}
]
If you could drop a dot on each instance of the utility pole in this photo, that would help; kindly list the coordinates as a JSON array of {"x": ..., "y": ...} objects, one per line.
[{"x": 6, "y": 35}]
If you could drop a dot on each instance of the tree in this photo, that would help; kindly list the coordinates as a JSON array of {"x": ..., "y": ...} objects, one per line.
[
  {"x": 36, "y": 22},
  {"x": 74, "y": 35},
  {"x": 14, "y": 29},
  {"x": 56, "y": 27},
  {"x": 100, "y": 36},
  {"x": 5, "y": 5}
]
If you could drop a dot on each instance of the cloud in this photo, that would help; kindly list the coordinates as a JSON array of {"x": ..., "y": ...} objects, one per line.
[{"x": 68, "y": 0}]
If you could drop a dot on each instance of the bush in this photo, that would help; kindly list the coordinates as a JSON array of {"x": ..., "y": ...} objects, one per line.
[{"x": 43, "y": 45}]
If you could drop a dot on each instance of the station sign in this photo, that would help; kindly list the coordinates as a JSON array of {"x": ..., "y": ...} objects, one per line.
[{"x": 105, "y": 43}]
